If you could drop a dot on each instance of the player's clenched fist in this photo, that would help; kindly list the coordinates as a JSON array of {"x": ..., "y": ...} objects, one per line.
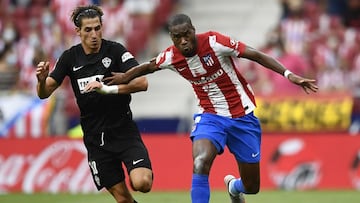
[{"x": 42, "y": 70}]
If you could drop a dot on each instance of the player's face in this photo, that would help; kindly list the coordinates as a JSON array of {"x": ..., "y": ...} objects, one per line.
[
  {"x": 90, "y": 34},
  {"x": 183, "y": 37}
]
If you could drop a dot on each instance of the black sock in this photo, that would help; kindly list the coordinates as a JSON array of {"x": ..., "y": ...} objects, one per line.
[{"x": 135, "y": 201}]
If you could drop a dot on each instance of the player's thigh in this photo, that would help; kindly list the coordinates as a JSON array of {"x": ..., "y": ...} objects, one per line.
[
  {"x": 136, "y": 155},
  {"x": 105, "y": 167},
  {"x": 209, "y": 127}
]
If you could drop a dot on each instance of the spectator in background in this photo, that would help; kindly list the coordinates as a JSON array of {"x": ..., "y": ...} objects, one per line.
[
  {"x": 50, "y": 30},
  {"x": 348, "y": 53},
  {"x": 331, "y": 74},
  {"x": 27, "y": 82},
  {"x": 328, "y": 44},
  {"x": 140, "y": 35},
  {"x": 273, "y": 83},
  {"x": 28, "y": 46},
  {"x": 295, "y": 27},
  {"x": 8, "y": 68},
  {"x": 10, "y": 34},
  {"x": 117, "y": 19},
  {"x": 62, "y": 9},
  {"x": 9, "y": 60}
]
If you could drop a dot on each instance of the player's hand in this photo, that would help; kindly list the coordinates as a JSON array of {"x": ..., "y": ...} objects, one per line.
[
  {"x": 93, "y": 86},
  {"x": 115, "y": 79},
  {"x": 307, "y": 84},
  {"x": 42, "y": 70},
  {"x": 101, "y": 88}
]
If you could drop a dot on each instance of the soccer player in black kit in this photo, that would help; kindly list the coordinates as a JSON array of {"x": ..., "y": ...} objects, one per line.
[{"x": 110, "y": 135}]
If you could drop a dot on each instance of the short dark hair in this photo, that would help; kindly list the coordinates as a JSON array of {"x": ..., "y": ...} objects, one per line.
[
  {"x": 90, "y": 11},
  {"x": 179, "y": 19}
]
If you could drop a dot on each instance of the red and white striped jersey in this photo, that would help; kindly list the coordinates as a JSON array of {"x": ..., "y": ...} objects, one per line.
[{"x": 218, "y": 85}]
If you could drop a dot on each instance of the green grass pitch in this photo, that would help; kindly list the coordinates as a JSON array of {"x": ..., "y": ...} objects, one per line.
[{"x": 276, "y": 196}]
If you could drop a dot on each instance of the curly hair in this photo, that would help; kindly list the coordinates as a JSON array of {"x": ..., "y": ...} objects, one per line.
[{"x": 90, "y": 11}]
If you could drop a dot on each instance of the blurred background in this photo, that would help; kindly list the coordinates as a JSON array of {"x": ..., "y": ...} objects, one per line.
[{"x": 310, "y": 141}]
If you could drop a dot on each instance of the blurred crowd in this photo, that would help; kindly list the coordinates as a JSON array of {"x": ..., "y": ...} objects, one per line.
[
  {"x": 315, "y": 38},
  {"x": 319, "y": 39},
  {"x": 34, "y": 30}
]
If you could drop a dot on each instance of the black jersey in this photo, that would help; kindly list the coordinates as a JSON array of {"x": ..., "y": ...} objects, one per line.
[{"x": 98, "y": 111}]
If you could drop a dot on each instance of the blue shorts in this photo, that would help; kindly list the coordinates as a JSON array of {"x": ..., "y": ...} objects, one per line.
[{"x": 241, "y": 135}]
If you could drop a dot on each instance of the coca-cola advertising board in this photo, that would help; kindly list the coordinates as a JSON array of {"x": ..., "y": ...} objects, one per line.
[
  {"x": 46, "y": 164},
  {"x": 291, "y": 162}
]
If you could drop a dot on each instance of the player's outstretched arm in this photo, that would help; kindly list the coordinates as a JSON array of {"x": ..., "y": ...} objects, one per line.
[
  {"x": 134, "y": 72},
  {"x": 274, "y": 65}
]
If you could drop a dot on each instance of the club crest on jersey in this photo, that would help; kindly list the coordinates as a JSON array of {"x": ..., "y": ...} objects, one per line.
[
  {"x": 106, "y": 62},
  {"x": 208, "y": 60}
]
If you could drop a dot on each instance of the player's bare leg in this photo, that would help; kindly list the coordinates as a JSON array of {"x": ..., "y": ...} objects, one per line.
[
  {"x": 121, "y": 193},
  {"x": 248, "y": 184},
  {"x": 250, "y": 177}
]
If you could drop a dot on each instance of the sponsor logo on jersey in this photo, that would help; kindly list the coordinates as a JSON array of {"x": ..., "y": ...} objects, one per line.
[
  {"x": 106, "y": 62},
  {"x": 82, "y": 82},
  {"x": 126, "y": 56},
  {"x": 208, "y": 79}
]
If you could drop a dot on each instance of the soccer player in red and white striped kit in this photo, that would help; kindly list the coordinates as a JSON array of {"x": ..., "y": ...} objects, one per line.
[{"x": 226, "y": 102}]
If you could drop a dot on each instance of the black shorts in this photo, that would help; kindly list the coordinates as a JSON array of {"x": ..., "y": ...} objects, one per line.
[{"x": 113, "y": 148}]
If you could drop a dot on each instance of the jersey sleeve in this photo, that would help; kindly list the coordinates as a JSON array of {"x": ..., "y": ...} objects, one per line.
[
  {"x": 164, "y": 59},
  {"x": 230, "y": 46},
  {"x": 61, "y": 68}
]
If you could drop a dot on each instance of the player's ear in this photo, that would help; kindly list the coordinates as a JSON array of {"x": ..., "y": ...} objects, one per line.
[{"x": 77, "y": 30}]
